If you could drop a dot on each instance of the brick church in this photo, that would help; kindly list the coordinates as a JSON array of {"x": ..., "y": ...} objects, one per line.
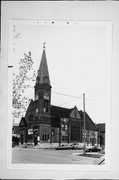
[{"x": 46, "y": 124}]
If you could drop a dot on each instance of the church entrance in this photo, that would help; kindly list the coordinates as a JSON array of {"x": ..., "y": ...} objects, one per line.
[{"x": 35, "y": 137}]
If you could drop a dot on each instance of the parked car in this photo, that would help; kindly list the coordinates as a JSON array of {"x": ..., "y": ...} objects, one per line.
[
  {"x": 29, "y": 145},
  {"x": 70, "y": 146},
  {"x": 76, "y": 146},
  {"x": 94, "y": 148},
  {"x": 62, "y": 147},
  {"x": 89, "y": 148}
]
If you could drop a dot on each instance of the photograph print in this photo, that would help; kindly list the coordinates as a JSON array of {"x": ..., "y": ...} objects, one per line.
[{"x": 60, "y": 92}]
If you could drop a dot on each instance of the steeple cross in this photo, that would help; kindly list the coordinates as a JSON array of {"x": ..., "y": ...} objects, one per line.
[{"x": 44, "y": 45}]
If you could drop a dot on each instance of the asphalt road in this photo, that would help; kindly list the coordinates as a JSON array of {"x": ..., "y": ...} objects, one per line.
[{"x": 49, "y": 156}]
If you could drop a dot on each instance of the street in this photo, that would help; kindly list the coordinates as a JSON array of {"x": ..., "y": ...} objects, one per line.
[{"x": 50, "y": 156}]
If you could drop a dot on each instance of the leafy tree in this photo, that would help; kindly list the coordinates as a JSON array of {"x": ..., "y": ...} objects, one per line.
[{"x": 21, "y": 82}]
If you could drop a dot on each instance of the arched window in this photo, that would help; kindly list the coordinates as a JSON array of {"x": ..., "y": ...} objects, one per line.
[{"x": 46, "y": 105}]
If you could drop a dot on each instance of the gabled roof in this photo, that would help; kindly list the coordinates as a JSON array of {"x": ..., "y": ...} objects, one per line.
[
  {"x": 22, "y": 122},
  {"x": 75, "y": 113},
  {"x": 101, "y": 127},
  {"x": 32, "y": 106},
  {"x": 43, "y": 74},
  {"x": 90, "y": 125}
]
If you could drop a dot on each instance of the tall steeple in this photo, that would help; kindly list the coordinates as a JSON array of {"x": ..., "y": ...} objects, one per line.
[
  {"x": 43, "y": 74},
  {"x": 43, "y": 86}
]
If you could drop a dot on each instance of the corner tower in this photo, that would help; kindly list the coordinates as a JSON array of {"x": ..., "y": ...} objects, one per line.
[{"x": 43, "y": 86}]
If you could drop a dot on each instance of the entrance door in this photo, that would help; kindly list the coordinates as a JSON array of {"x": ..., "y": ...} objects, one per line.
[{"x": 35, "y": 138}]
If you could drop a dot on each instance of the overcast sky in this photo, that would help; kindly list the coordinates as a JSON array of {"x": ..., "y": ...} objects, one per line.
[{"x": 77, "y": 63}]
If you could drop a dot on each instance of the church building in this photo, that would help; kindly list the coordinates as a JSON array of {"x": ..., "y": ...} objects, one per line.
[{"x": 45, "y": 124}]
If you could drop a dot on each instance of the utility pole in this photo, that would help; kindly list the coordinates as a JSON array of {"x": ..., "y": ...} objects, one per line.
[
  {"x": 84, "y": 122},
  {"x": 60, "y": 126}
]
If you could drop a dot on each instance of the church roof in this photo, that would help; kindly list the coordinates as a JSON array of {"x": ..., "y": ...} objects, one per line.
[
  {"x": 32, "y": 105},
  {"x": 90, "y": 125},
  {"x": 60, "y": 112},
  {"x": 31, "y": 109},
  {"x": 43, "y": 74}
]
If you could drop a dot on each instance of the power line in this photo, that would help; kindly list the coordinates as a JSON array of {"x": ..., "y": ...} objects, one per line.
[
  {"x": 76, "y": 97},
  {"x": 66, "y": 95},
  {"x": 67, "y": 102}
]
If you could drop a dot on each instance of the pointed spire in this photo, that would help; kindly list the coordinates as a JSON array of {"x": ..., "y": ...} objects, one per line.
[{"x": 43, "y": 74}]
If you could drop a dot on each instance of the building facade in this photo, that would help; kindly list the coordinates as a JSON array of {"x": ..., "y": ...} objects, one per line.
[{"x": 45, "y": 124}]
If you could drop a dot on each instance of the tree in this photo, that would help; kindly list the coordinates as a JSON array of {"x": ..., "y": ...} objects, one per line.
[{"x": 21, "y": 82}]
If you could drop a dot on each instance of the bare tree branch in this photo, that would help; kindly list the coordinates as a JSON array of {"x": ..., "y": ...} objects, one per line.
[{"x": 21, "y": 82}]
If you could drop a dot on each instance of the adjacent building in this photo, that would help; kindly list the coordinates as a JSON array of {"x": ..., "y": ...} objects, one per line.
[
  {"x": 101, "y": 134},
  {"x": 45, "y": 124},
  {"x": 15, "y": 131},
  {"x": 15, "y": 135}
]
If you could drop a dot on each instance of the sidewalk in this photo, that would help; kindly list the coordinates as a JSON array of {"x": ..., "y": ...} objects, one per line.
[
  {"x": 89, "y": 154},
  {"x": 99, "y": 158}
]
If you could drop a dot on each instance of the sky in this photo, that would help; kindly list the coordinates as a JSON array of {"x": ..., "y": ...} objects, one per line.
[{"x": 77, "y": 63}]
